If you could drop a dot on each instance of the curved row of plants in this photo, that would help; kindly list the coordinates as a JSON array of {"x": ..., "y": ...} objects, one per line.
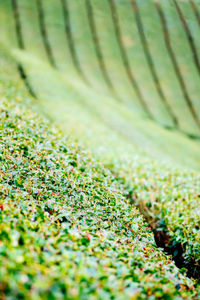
[
  {"x": 169, "y": 199},
  {"x": 93, "y": 58},
  {"x": 66, "y": 229}
]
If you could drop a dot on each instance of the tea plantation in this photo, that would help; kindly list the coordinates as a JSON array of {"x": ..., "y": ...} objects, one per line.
[{"x": 99, "y": 149}]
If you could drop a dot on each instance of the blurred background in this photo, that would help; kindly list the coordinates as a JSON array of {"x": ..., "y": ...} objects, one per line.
[{"x": 121, "y": 76}]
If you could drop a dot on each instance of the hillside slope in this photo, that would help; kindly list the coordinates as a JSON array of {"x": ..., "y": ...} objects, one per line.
[
  {"x": 122, "y": 79},
  {"x": 66, "y": 61},
  {"x": 67, "y": 231}
]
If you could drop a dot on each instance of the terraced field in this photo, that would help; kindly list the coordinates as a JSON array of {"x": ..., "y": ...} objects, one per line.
[{"x": 120, "y": 79}]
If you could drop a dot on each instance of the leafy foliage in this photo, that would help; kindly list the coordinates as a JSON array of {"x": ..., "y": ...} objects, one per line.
[
  {"x": 66, "y": 229},
  {"x": 169, "y": 199}
]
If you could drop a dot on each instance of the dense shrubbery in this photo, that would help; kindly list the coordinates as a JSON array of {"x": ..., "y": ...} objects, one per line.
[
  {"x": 169, "y": 199},
  {"x": 66, "y": 229}
]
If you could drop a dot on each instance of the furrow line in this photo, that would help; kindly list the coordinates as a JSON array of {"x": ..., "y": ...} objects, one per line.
[
  {"x": 44, "y": 34},
  {"x": 189, "y": 36},
  {"x": 21, "y": 45},
  {"x": 175, "y": 63},
  {"x": 70, "y": 41},
  {"x": 150, "y": 61},
  {"x": 126, "y": 60},
  {"x": 99, "y": 54}
]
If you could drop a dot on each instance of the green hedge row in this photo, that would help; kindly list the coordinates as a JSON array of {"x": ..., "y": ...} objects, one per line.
[
  {"x": 169, "y": 199},
  {"x": 66, "y": 230}
]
